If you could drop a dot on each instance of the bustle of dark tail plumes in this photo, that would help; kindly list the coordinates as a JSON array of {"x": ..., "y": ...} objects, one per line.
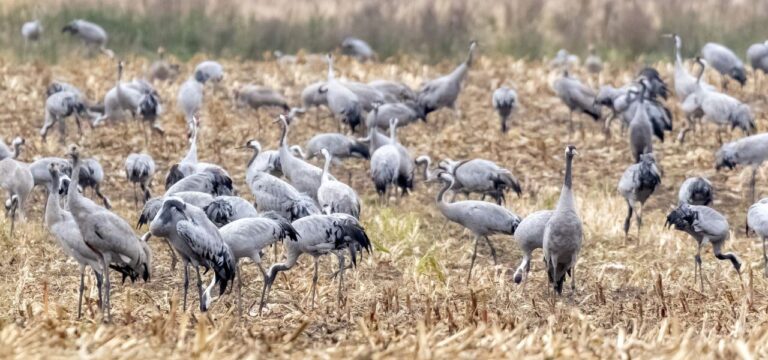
[
  {"x": 681, "y": 218},
  {"x": 743, "y": 119},
  {"x": 151, "y": 208},
  {"x": 505, "y": 181},
  {"x": 303, "y": 206},
  {"x": 287, "y": 230},
  {"x": 223, "y": 264},
  {"x": 149, "y": 106},
  {"x": 361, "y": 150},
  {"x": 405, "y": 183},
  {"x": 174, "y": 175},
  {"x": 559, "y": 283},
  {"x": 351, "y": 234},
  {"x": 658, "y": 88},
  {"x": 647, "y": 178},
  {"x": 222, "y": 183},
  {"x": 353, "y": 117},
  {"x": 701, "y": 193},
  {"x": 219, "y": 211}
]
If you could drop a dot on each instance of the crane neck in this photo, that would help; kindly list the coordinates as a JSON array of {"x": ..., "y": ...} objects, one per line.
[
  {"x": 392, "y": 133},
  {"x": 283, "y": 135},
  {"x": 331, "y": 75},
  {"x": 678, "y": 58},
  {"x": 192, "y": 152},
  {"x": 16, "y": 150},
  {"x": 72, "y": 194},
  {"x": 427, "y": 164},
  {"x": 440, "y": 195},
  {"x": 566, "y": 194},
  {"x": 701, "y": 73},
  {"x": 253, "y": 157},
  {"x": 326, "y": 168},
  {"x": 52, "y": 209}
]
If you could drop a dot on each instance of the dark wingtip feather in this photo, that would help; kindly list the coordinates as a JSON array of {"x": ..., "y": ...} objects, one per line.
[{"x": 174, "y": 175}]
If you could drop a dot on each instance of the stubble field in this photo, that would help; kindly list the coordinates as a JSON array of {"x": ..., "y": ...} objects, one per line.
[{"x": 410, "y": 297}]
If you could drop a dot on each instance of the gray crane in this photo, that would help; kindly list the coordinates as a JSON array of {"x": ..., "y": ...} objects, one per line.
[
  {"x": 256, "y": 96},
  {"x": 705, "y": 225},
  {"x": 394, "y": 89},
  {"x": 197, "y": 240},
  {"x": 225, "y": 209},
  {"x": 137, "y": 97},
  {"x": 358, "y": 49},
  {"x": 481, "y": 218},
  {"x": 320, "y": 235},
  {"x": 749, "y": 151},
  {"x": 109, "y": 236},
  {"x": 426, "y": 162},
  {"x": 344, "y": 104},
  {"x": 481, "y": 176},
  {"x": 60, "y": 106},
  {"x": 190, "y": 165},
  {"x": 443, "y": 91},
  {"x": 7, "y": 153},
  {"x": 304, "y": 176},
  {"x": 162, "y": 70},
  {"x": 406, "y": 168},
  {"x": 16, "y": 180},
  {"x": 210, "y": 70},
  {"x": 564, "y": 59},
  {"x": 563, "y": 234},
  {"x": 311, "y": 97},
  {"x": 406, "y": 112},
  {"x": 338, "y": 145},
  {"x": 139, "y": 169},
  {"x": 757, "y": 220},
  {"x": 61, "y": 224},
  {"x": 530, "y": 236},
  {"x": 211, "y": 181},
  {"x": 637, "y": 184},
  {"x": 31, "y": 31},
  {"x": 696, "y": 191},
  {"x": 92, "y": 35},
  {"x": 757, "y": 54},
  {"x": 593, "y": 63},
  {"x": 577, "y": 97},
  {"x": 657, "y": 88},
  {"x": 505, "y": 103},
  {"x": 91, "y": 176},
  {"x": 261, "y": 161},
  {"x": 385, "y": 166},
  {"x": 273, "y": 194},
  {"x": 725, "y": 62},
  {"x": 685, "y": 83},
  {"x": 368, "y": 95},
  {"x": 640, "y": 129},
  {"x": 190, "y": 97},
  {"x": 246, "y": 238},
  {"x": 338, "y": 196}
]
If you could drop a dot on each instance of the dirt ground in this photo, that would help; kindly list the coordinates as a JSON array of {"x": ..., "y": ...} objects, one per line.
[{"x": 410, "y": 297}]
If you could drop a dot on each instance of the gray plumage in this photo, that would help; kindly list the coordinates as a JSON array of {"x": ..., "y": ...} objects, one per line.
[
  {"x": 209, "y": 70},
  {"x": 92, "y": 35},
  {"x": 304, "y": 176},
  {"x": 406, "y": 112},
  {"x": 426, "y": 162},
  {"x": 40, "y": 173},
  {"x": 695, "y": 191},
  {"x": 320, "y": 235},
  {"x": 577, "y": 97},
  {"x": 725, "y": 62},
  {"x": 60, "y": 106},
  {"x": 212, "y": 181},
  {"x": 529, "y": 236},
  {"x": 190, "y": 165},
  {"x": 505, "y": 103},
  {"x": 311, "y": 96},
  {"x": 685, "y": 83},
  {"x": 757, "y": 220},
  {"x": 15, "y": 180},
  {"x": 31, "y": 31},
  {"x": 749, "y": 151},
  {"x": 256, "y": 96},
  {"x": 385, "y": 164},
  {"x": 367, "y": 95},
  {"x": 61, "y": 224},
  {"x": 198, "y": 242},
  {"x": 394, "y": 89},
  {"x": 246, "y": 238},
  {"x": 273, "y": 194},
  {"x": 358, "y": 49},
  {"x": 262, "y": 161},
  {"x": 757, "y": 54},
  {"x": 225, "y": 209},
  {"x": 338, "y": 145},
  {"x": 153, "y": 206},
  {"x": 563, "y": 233},
  {"x": 190, "y": 97},
  {"x": 483, "y": 177},
  {"x": 336, "y": 195},
  {"x": 139, "y": 169},
  {"x": 443, "y": 91},
  {"x": 91, "y": 176},
  {"x": 161, "y": 69},
  {"x": 13, "y": 150},
  {"x": 563, "y": 59},
  {"x": 481, "y": 218},
  {"x": 593, "y": 63},
  {"x": 640, "y": 129},
  {"x": 343, "y": 103},
  {"x": 137, "y": 97},
  {"x": 705, "y": 225},
  {"x": 108, "y": 235},
  {"x": 638, "y": 182}
]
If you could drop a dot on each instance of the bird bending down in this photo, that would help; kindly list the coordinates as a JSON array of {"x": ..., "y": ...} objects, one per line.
[
  {"x": 749, "y": 151},
  {"x": 482, "y": 218},
  {"x": 563, "y": 233},
  {"x": 637, "y": 184},
  {"x": 705, "y": 225},
  {"x": 695, "y": 191},
  {"x": 320, "y": 235},
  {"x": 530, "y": 236}
]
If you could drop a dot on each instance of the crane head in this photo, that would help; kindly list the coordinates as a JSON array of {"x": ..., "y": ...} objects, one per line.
[{"x": 570, "y": 151}]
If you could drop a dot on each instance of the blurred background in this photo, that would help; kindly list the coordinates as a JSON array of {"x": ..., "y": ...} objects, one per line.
[{"x": 429, "y": 30}]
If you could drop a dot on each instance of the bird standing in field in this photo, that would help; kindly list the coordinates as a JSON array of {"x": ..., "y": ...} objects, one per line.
[
  {"x": 92, "y": 35},
  {"x": 58, "y": 107},
  {"x": 338, "y": 196},
  {"x": 15, "y": 180},
  {"x": 705, "y": 225},
  {"x": 482, "y": 218},
  {"x": 358, "y": 49},
  {"x": 304, "y": 176},
  {"x": 443, "y": 92},
  {"x": 481, "y": 176},
  {"x": 563, "y": 233},
  {"x": 256, "y": 96},
  {"x": 505, "y": 103},
  {"x": 640, "y": 128},
  {"x": 757, "y": 220},
  {"x": 695, "y": 191},
  {"x": 139, "y": 169},
  {"x": 751, "y": 151},
  {"x": 344, "y": 104},
  {"x": 725, "y": 62},
  {"x": 197, "y": 240},
  {"x": 320, "y": 235},
  {"x": 7, "y": 153},
  {"x": 637, "y": 184},
  {"x": 577, "y": 97},
  {"x": 530, "y": 236},
  {"x": 261, "y": 161}
]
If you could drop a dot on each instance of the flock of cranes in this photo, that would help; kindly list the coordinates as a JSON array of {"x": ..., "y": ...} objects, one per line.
[{"x": 208, "y": 226}]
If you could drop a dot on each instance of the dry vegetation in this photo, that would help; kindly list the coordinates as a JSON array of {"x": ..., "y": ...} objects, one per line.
[{"x": 409, "y": 298}]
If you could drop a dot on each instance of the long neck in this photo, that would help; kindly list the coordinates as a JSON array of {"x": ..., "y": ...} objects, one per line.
[
  {"x": 326, "y": 176},
  {"x": 393, "y": 133},
  {"x": 566, "y": 194},
  {"x": 331, "y": 75},
  {"x": 73, "y": 195},
  {"x": 192, "y": 152},
  {"x": 701, "y": 73},
  {"x": 253, "y": 158},
  {"x": 678, "y": 58},
  {"x": 427, "y": 164},
  {"x": 440, "y": 195},
  {"x": 16, "y": 150},
  {"x": 52, "y": 209}
]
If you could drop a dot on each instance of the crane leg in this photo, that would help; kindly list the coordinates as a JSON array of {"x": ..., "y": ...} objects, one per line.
[
  {"x": 99, "y": 282},
  {"x": 341, "y": 278},
  {"x": 104, "y": 199},
  {"x": 472, "y": 264},
  {"x": 135, "y": 196},
  {"x": 239, "y": 274},
  {"x": 765, "y": 260},
  {"x": 521, "y": 272},
  {"x": 570, "y": 123},
  {"x": 174, "y": 258},
  {"x": 200, "y": 289},
  {"x": 698, "y": 267},
  {"x": 105, "y": 309},
  {"x": 80, "y": 292},
  {"x": 639, "y": 222},
  {"x": 752, "y": 184},
  {"x": 627, "y": 222},
  {"x": 493, "y": 251},
  {"x": 314, "y": 280},
  {"x": 186, "y": 285}
]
